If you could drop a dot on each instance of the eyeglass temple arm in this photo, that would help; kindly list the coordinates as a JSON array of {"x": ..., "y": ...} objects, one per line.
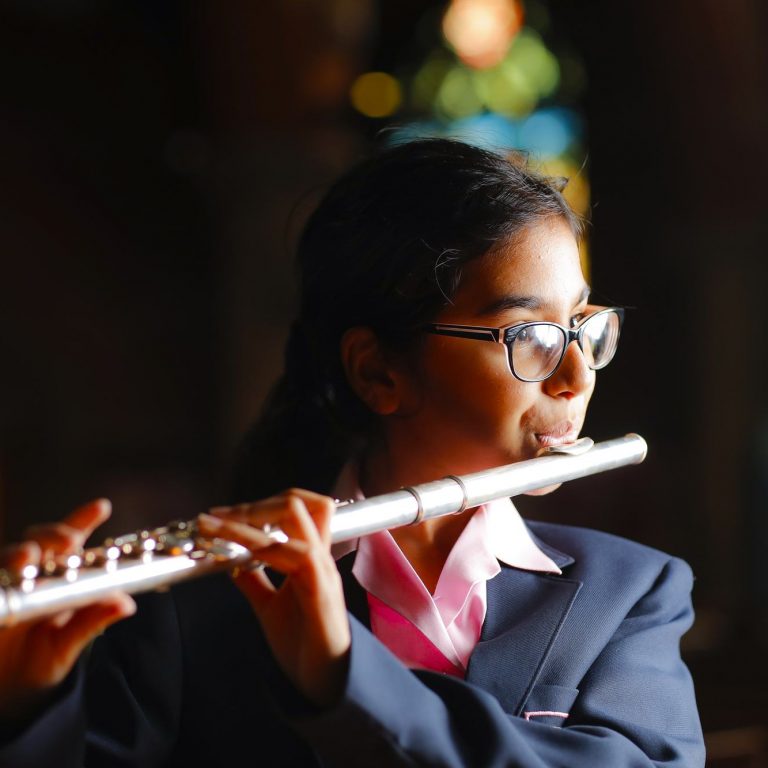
[{"x": 465, "y": 332}]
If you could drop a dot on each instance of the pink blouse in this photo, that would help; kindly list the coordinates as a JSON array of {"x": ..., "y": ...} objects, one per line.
[{"x": 439, "y": 631}]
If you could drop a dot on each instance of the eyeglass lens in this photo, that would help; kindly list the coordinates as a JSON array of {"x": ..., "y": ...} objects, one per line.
[
  {"x": 600, "y": 337},
  {"x": 538, "y": 348}
]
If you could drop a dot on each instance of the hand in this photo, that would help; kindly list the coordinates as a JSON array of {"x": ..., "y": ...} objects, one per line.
[
  {"x": 305, "y": 618},
  {"x": 35, "y": 656}
]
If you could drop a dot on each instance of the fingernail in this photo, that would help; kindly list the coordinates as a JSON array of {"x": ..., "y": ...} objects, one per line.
[
  {"x": 122, "y": 604},
  {"x": 128, "y": 606}
]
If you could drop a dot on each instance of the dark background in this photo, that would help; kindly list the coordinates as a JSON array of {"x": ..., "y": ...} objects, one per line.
[{"x": 155, "y": 162}]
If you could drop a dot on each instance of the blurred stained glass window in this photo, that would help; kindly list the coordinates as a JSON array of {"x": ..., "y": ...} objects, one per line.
[{"x": 490, "y": 73}]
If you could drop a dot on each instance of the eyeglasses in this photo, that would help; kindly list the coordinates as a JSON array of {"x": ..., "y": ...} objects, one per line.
[{"x": 535, "y": 350}]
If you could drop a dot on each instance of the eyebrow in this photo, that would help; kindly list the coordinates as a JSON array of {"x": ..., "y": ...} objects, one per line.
[{"x": 508, "y": 302}]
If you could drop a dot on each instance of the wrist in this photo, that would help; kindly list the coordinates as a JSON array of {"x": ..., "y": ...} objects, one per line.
[{"x": 325, "y": 687}]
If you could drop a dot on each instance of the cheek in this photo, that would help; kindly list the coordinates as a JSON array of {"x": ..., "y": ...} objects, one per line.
[
  {"x": 474, "y": 386},
  {"x": 591, "y": 389}
]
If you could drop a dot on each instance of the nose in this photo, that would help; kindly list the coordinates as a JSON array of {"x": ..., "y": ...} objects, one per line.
[{"x": 573, "y": 378}]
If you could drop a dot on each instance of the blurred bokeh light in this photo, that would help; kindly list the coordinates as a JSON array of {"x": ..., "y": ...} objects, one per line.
[
  {"x": 480, "y": 31},
  {"x": 376, "y": 94}
]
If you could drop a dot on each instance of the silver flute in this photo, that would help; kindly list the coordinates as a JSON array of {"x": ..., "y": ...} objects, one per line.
[{"x": 154, "y": 559}]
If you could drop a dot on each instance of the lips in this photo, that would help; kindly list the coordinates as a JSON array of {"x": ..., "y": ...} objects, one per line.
[{"x": 557, "y": 434}]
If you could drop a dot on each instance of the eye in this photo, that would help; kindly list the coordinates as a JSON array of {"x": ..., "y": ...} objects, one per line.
[
  {"x": 525, "y": 336},
  {"x": 576, "y": 319}
]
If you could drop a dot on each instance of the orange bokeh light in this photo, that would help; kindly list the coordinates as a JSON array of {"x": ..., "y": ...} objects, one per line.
[{"x": 481, "y": 31}]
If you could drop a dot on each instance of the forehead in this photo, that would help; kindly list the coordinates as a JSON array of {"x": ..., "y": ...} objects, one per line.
[{"x": 542, "y": 265}]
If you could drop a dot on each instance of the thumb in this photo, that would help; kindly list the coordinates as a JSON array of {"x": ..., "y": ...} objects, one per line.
[{"x": 87, "y": 623}]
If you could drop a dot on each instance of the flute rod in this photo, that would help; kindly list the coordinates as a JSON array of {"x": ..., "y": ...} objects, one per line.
[
  {"x": 155, "y": 559},
  {"x": 451, "y": 494}
]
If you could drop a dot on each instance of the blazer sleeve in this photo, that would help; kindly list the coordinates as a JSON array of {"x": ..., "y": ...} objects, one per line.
[
  {"x": 55, "y": 737},
  {"x": 635, "y": 708},
  {"x": 119, "y": 707},
  {"x": 133, "y": 689},
  {"x": 636, "y": 705}
]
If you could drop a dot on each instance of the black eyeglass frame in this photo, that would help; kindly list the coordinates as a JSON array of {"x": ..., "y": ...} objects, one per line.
[{"x": 507, "y": 334}]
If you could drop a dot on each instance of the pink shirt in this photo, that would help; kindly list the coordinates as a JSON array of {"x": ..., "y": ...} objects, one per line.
[{"x": 440, "y": 631}]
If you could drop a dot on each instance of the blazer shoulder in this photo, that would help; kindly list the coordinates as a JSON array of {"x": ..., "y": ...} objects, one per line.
[{"x": 605, "y": 552}]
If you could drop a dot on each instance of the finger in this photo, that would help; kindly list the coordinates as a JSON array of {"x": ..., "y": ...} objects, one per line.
[
  {"x": 224, "y": 527},
  {"x": 286, "y": 557},
  {"x": 70, "y": 534},
  {"x": 256, "y": 513},
  {"x": 321, "y": 509},
  {"x": 300, "y": 514},
  {"x": 86, "y": 623},
  {"x": 296, "y": 521},
  {"x": 55, "y": 538},
  {"x": 286, "y": 511},
  {"x": 16, "y": 556},
  {"x": 270, "y": 501},
  {"x": 308, "y": 565},
  {"x": 269, "y": 511},
  {"x": 90, "y": 516}
]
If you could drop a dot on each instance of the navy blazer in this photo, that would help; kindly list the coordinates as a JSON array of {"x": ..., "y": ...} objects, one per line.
[{"x": 581, "y": 669}]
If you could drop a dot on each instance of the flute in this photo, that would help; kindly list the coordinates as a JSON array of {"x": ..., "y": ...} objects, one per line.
[{"x": 154, "y": 559}]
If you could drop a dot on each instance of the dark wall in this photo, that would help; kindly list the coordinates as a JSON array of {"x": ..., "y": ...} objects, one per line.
[
  {"x": 677, "y": 108},
  {"x": 108, "y": 285},
  {"x": 155, "y": 159}
]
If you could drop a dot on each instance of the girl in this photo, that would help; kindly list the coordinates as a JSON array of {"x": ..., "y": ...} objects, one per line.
[{"x": 474, "y": 639}]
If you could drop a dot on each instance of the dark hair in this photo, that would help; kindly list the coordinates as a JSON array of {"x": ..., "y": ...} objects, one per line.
[{"x": 384, "y": 249}]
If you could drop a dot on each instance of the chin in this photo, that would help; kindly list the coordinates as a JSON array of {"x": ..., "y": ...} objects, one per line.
[{"x": 543, "y": 491}]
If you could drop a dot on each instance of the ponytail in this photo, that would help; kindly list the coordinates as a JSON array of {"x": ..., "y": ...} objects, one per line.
[{"x": 297, "y": 441}]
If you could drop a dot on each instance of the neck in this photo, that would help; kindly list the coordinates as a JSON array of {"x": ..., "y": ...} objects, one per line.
[
  {"x": 428, "y": 544},
  {"x": 391, "y": 463}
]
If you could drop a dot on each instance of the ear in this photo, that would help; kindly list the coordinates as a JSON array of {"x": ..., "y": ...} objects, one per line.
[{"x": 370, "y": 371}]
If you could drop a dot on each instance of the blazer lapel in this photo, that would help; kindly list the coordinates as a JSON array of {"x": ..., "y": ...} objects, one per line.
[{"x": 525, "y": 613}]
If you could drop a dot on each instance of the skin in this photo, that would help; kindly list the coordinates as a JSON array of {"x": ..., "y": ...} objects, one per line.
[
  {"x": 36, "y": 656},
  {"x": 495, "y": 419}
]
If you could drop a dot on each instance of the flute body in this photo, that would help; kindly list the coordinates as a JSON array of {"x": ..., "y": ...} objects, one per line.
[{"x": 155, "y": 559}]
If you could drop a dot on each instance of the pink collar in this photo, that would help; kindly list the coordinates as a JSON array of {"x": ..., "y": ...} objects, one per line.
[
  {"x": 504, "y": 533},
  {"x": 439, "y": 631}
]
